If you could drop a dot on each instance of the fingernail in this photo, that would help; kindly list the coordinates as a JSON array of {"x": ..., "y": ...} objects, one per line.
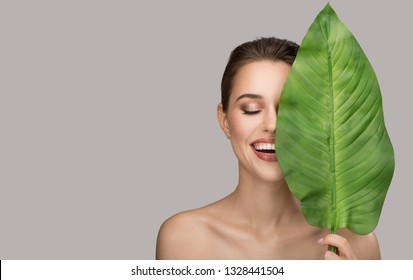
[{"x": 320, "y": 240}]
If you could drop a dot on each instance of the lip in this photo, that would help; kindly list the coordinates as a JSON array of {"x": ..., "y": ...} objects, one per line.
[{"x": 264, "y": 156}]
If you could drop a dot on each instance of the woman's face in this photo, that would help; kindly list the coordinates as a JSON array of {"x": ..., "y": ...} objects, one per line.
[{"x": 250, "y": 120}]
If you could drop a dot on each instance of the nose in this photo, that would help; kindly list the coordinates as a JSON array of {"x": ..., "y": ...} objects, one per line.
[{"x": 269, "y": 122}]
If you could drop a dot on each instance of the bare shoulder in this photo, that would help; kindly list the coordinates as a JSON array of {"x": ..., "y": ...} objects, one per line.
[
  {"x": 183, "y": 235},
  {"x": 366, "y": 247}
]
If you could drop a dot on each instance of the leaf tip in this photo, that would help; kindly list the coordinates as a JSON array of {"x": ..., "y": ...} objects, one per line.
[{"x": 328, "y": 8}]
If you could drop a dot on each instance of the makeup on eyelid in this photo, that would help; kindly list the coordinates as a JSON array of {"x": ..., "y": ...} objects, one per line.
[{"x": 250, "y": 108}]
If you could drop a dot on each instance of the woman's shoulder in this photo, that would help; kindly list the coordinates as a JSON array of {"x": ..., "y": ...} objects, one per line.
[
  {"x": 184, "y": 234},
  {"x": 364, "y": 246},
  {"x": 185, "y": 222}
]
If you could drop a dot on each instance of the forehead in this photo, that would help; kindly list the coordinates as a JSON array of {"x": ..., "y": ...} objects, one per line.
[{"x": 265, "y": 78}]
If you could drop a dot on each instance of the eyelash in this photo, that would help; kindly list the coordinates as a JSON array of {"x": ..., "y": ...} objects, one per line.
[{"x": 246, "y": 112}]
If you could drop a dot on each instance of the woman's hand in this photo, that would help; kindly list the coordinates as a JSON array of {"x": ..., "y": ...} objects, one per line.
[{"x": 344, "y": 250}]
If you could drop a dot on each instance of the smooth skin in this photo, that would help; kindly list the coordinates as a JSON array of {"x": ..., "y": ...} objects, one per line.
[{"x": 261, "y": 219}]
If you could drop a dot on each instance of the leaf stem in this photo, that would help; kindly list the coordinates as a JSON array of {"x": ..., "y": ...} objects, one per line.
[{"x": 333, "y": 248}]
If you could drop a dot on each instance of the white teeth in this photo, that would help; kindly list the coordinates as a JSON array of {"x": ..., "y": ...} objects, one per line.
[{"x": 264, "y": 146}]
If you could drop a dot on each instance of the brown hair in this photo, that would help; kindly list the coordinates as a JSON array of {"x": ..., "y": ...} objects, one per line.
[{"x": 272, "y": 49}]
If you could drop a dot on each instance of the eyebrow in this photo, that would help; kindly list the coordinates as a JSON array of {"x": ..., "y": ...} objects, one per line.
[{"x": 249, "y": 95}]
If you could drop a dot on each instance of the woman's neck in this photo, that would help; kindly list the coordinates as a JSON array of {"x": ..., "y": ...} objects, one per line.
[{"x": 264, "y": 204}]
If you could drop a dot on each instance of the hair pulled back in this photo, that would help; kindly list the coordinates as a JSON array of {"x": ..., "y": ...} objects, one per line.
[{"x": 271, "y": 48}]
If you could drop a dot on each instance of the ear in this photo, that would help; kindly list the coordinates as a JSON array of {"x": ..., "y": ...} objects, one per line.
[{"x": 222, "y": 119}]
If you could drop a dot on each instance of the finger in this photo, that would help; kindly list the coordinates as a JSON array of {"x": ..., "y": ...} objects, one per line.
[
  {"x": 328, "y": 255},
  {"x": 344, "y": 248}
]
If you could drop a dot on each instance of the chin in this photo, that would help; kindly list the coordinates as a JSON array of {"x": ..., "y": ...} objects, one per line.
[
  {"x": 271, "y": 174},
  {"x": 272, "y": 178}
]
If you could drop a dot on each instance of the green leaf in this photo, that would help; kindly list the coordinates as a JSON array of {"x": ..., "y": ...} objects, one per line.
[{"x": 331, "y": 140}]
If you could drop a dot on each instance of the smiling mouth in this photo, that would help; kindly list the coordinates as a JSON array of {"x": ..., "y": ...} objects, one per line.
[{"x": 265, "y": 149}]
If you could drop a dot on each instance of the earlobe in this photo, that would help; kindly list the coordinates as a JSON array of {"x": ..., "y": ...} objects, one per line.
[{"x": 222, "y": 120}]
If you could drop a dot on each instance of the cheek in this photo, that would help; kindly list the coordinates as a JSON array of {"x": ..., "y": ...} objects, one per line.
[{"x": 240, "y": 128}]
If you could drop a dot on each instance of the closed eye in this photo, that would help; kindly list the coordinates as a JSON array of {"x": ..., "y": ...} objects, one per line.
[{"x": 247, "y": 112}]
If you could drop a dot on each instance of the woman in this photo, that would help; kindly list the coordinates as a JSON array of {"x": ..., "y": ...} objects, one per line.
[{"x": 261, "y": 219}]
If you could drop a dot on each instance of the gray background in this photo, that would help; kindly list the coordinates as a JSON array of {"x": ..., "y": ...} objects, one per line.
[{"x": 108, "y": 123}]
